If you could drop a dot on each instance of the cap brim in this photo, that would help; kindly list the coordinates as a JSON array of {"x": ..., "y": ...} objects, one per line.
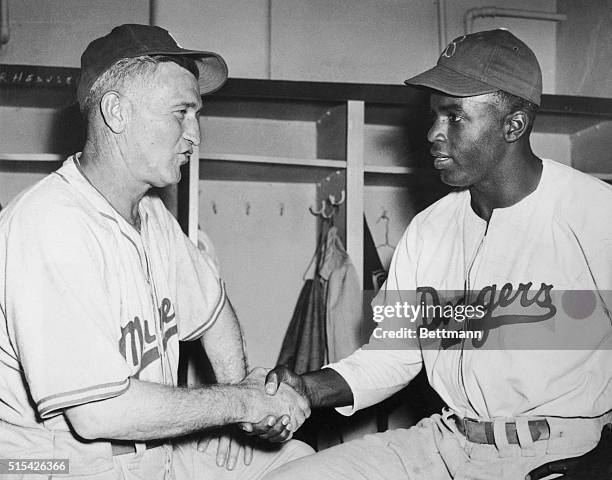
[
  {"x": 448, "y": 81},
  {"x": 211, "y": 66},
  {"x": 213, "y": 73}
]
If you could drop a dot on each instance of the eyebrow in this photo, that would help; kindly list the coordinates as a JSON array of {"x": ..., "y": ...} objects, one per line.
[
  {"x": 455, "y": 107},
  {"x": 195, "y": 105}
]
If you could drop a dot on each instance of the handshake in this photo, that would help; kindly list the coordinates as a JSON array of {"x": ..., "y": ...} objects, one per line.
[{"x": 277, "y": 403}]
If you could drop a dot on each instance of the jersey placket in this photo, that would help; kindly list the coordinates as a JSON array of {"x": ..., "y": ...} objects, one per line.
[
  {"x": 159, "y": 329},
  {"x": 471, "y": 272}
]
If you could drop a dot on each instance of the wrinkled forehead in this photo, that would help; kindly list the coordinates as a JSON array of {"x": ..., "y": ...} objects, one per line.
[{"x": 170, "y": 82}]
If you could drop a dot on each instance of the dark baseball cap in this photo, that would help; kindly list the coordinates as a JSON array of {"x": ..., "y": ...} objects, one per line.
[
  {"x": 485, "y": 62},
  {"x": 129, "y": 41}
]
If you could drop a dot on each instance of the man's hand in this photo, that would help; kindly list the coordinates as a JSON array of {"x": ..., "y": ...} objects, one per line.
[
  {"x": 229, "y": 448},
  {"x": 271, "y": 428},
  {"x": 282, "y": 374},
  {"x": 274, "y": 400},
  {"x": 593, "y": 465}
]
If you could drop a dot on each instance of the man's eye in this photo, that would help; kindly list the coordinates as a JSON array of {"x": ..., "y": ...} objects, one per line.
[
  {"x": 182, "y": 112},
  {"x": 453, "y": 118}
]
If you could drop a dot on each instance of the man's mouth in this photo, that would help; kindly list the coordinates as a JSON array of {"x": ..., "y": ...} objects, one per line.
[
  {"x": 186, "y": 156},
  {"x": 442, "y": 161}
]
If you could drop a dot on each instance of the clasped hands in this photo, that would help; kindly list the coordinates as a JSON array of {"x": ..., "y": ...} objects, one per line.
[
  {"x": 276, "y": 406},
  {"x": 291, "y": 403}
]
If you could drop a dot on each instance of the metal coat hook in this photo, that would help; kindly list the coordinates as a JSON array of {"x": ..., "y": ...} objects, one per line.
[
  {"x": 248, "y": 208},
  {"x": 214, "y": 207},
  {"x": 321, "y": 211},
  {"x": 332, "y": 199},
  {"x": 282, "y": 209},
  {"x": 387, "y": 220}
]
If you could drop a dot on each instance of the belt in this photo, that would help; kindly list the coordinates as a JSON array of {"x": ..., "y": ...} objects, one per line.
[
  {"x": 482, "y": 431},
  {"x": 122, "y": 448}
]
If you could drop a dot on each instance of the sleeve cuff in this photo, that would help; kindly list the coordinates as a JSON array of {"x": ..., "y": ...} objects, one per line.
[
  {"x": 54, "y": 404},
  {"x": 348, "y": 410},
  {"x": 213, "y": 318},
  {"x": 375, "y": 375}
]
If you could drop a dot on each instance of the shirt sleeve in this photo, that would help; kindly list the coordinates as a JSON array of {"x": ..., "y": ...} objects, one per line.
[
  {"x": 206, "y": 246},
  {"x": 592, "y": 230},
  {"x": 59, "y": 316},
  {"x": 201, "y": 292},
  {"x": 384, "y": 366}
]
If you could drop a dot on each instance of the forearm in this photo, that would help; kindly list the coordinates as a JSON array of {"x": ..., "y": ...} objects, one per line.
[
  {"x": 149, "y": 411},
  {"x": 327, "y": 388},
  {"x": 224, "y": 346},
  {"x": 375, "y": 375}
]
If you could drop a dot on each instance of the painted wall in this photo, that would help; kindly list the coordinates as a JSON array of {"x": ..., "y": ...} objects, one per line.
[
  {"x": 262, "y": 253},
  {"x": 365, "y": 41},
  {"x": 238, "y": 29},
  {"x": 584, "y": 46},
  {"x": 55, "y": 32}
]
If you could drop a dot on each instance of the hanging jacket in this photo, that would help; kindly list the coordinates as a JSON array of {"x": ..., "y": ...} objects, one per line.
[
  {"x": 344, "y": 305},
  {"x": 304, "y": 347}
]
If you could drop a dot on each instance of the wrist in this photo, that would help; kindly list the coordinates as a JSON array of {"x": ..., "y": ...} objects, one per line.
[
  {"x": 230, "y": 372},
  {"x": 310, "y": 390},
  {"x": 232, "y": 378},
  {"x": 237, "y": 400}
]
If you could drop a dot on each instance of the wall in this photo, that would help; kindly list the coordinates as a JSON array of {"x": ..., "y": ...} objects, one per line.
[
  {"x": 584, "y": 46},
  {"x": 28, "y": 130},
  {"x": 263, "y": 254},
  {"x": 365, "y": 41},
  {"x": 55, "y": 32},
  {"x": 331, "y": 40},
  {"x": 50, "y": 32},
  {"x": 238, "y": 29}
]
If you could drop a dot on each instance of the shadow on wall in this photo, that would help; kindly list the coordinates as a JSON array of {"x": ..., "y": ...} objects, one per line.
[{"x": 68, "y": 130}]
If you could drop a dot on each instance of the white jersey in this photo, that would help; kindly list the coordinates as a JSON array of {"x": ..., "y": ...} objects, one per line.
[
  {"x": 539, "y": 356},
  {"x": 87, "y": 303}
]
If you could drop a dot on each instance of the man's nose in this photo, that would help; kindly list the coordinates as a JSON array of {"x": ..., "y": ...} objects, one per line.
[
  {"x": 436, "y": 132},
  {"x": 192, "y": 131}
]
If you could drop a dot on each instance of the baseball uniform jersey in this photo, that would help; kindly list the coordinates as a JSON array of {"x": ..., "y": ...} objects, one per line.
[
  {"x": 87, "y": 304},
  {"x": 539, "y": 356}
]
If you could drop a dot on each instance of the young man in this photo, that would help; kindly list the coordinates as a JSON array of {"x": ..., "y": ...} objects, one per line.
[
  {"x": 99, "y": 284},
  {"x": 525, "y": 243}
]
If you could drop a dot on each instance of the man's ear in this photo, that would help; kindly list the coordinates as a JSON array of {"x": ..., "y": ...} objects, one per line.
[
  {"x": 113, "y": 108},
  {"x": 516, "y": 124}
]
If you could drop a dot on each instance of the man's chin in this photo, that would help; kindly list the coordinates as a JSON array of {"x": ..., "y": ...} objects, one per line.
[
  {"x": 169, "y": 181},
  {"x": 453, "y": 179}
]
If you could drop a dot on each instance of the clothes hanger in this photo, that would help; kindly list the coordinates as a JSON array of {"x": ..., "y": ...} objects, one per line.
[{"x": 387, "y": 220}]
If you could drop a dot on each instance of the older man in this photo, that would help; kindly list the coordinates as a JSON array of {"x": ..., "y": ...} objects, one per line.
[
  {"x": 511, "y": 272},
  {"x": 99, "y": 284}
]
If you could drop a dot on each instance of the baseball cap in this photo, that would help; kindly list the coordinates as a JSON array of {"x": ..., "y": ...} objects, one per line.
[
  {"x": 132, "y": 40},
  {"x": 485, "y": 62}
]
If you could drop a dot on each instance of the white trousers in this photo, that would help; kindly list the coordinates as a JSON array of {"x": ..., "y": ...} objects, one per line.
[
  {"x": 435, "y": 450},
  {"x": 185, "y": 462},
  {"x": 179, "y": 462}
]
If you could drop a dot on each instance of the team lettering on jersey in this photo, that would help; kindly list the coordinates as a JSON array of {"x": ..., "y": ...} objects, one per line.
[
  {"x": 138, "y": 343},
  {"x": 489, "y": 299}
]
